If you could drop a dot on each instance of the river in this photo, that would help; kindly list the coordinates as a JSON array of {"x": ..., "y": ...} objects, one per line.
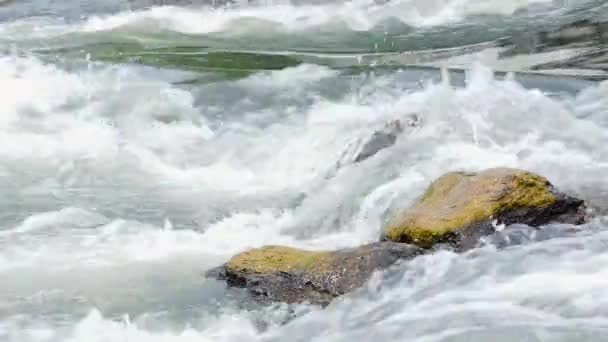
[{"x": 144, "y": 146}]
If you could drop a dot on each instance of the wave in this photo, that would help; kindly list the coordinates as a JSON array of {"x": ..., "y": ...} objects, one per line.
[
  {"x": 482, "y": 294},
  {"x": 127, "y": 139},
  {"x": 122, "y": 157},
  {"x": 357, "y": 15}
]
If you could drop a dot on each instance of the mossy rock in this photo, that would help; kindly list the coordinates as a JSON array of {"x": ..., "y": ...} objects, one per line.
[
  {"x": 271, "y": 259},
  {"x": 460, "y": 207},
  {"x": 290, "y": 275}
]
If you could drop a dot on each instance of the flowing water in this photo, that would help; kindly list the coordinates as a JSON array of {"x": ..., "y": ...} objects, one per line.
[{"x": 142, "y": 147}]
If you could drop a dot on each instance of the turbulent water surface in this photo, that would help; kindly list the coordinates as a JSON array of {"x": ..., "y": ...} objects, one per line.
[{"x": 143, "y": 146}]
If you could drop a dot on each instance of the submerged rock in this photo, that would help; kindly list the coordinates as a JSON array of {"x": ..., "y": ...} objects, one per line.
[
  {"x": 290, "y": 275},
  {"x": 380, "y": 140},
  {"x": 386, "y": 137},
  {"x": 460, "y": 207}
]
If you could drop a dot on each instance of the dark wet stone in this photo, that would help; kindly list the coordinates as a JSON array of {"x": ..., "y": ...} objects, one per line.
[
  {"x": 386, "y": 137},
  {"x": 380, "y": 140},
  {"x": 283, "y": 274}
]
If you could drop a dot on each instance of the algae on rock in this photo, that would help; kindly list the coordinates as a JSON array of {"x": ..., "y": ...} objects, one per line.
[
  {"x": 271, "y": 259},
  {"x": 291, "y": 275},
  {"x": 459, "y": 207}
]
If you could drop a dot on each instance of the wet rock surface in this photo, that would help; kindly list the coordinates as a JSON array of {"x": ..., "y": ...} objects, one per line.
[
  {"x": 290, "y": 275},
  {"x": 387, "y": 136},
  {"x": 459, "y": 208},
  {"x": 380, "y": 140},
  {"x": 457, "y": 211}
]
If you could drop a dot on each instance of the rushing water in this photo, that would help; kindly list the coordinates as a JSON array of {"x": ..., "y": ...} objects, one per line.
[{"x": 143, "y": 147}]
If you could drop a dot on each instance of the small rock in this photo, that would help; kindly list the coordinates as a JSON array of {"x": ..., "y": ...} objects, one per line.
[
  {"x": 386, "y": 137},
  {"x": 380, "y": 140},
  {"x": 459, "y": 208},
  {"x": 290, "y": 275}
]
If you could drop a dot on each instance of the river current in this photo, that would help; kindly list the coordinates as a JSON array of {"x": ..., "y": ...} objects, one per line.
[{"x": 144, "y": 146}]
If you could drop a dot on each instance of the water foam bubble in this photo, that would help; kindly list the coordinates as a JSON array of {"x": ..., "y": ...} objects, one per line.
[
  {"x": 97, "y": 328},
  {"x": 358, "y": 15}
]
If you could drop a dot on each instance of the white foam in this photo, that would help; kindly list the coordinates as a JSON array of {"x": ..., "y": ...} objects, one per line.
[
  {"x": 64, "y": 136},
  {"x": 360, "y": 15},
  {"x": 357, "y": 15},
  {"x": 484, "y": 293},
  {"x": 90, "y": 121},
  {"x": 96, "y": 328},
  {"x": 301, "y": 76},
  {"x": 488, "y": 123}
]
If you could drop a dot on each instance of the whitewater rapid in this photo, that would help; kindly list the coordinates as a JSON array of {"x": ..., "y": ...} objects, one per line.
[
  {"x": 128, "y": 169},
  {"x": 358, "y": 14},
  {"x": 122, "y": 185}
]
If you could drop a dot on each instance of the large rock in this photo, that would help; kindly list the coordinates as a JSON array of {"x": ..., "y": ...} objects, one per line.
[
  {"x": 460, "y": 207},
  {"x": 284, "y": 274}
]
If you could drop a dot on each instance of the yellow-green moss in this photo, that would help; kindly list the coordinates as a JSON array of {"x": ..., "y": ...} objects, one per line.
[
  {"x": 271, "y": 259},
  {"x": 456, "y": 201},
  {"x": 443, "y": 185}
]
